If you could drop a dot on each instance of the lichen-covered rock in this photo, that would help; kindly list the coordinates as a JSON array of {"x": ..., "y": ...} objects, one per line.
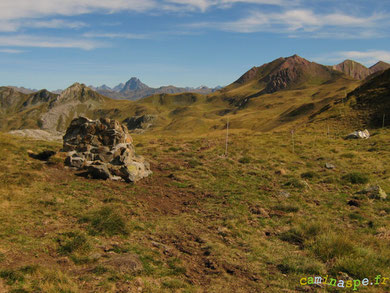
[
  {"x": 374, "y": 192},
  {"x": 104, "y": 149}
]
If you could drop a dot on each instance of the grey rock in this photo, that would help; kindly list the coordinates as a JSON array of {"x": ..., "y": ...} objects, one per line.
[
  {"x": 374, "y": 192},
  {"x": 99, "y": 172},
  {"x": 74, "y": 161},
  {"x": 358, "y": 134}
]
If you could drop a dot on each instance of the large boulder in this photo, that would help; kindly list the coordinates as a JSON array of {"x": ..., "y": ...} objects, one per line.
[
  {"x": 104, "y": 149},
  {"x": 358, "y": 135},
  {"x": 140, "y": 123}
]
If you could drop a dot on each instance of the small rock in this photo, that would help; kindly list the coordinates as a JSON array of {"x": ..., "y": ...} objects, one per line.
[
  {"x": 374, "y": 192},
  {"x": 329, "y": 166},
  {"x": 42, "y": 156},
  {"x": 354, "y": 203},
  {"x": 124, "y": 263},
  {"x": 281, "y": 172},
  {"x": 284, "y": 194},
  {"x": 256, "y": 210}
]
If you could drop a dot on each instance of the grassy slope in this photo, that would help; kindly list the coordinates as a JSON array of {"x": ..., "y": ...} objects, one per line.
[
  {"x": 202, "y": 222},
  {"x": 194, "y": 113}
]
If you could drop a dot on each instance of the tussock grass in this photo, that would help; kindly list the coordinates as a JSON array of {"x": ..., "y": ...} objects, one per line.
[{"x": 106, "y": 221}]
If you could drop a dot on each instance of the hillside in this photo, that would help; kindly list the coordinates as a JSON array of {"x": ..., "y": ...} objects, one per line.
[
  {"x": 256, "y": 221},
  {"x": 372, "y": 100},
  {"x": 256, "y": 214},
  {"x": 283, "y": 94},
  {"x": 289, "y": 73}
]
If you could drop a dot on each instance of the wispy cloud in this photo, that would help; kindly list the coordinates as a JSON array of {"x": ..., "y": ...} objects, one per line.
[
  {"x": 203, "y": 5},
  {"x": 55, "y": 23},
  {"x": 296, "y": 22},
  {"x": 11, "y": 51},
  {"x": 368, "y": 58},
  {"x": 15, "y": 25},
  {"x": 17, "y": 9},
  {"x": 46, "y": 42},
  {"x": 116, "y": 36}
]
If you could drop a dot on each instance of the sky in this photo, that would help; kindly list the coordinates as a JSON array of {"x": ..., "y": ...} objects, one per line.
[{"x": 53, "y": 43}]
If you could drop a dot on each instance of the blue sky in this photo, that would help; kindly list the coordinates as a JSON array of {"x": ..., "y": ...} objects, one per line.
[{"x": 54, "y": 43}]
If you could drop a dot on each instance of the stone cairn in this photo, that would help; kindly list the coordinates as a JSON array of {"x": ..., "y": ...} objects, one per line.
[{"x": 103, "y": 148}]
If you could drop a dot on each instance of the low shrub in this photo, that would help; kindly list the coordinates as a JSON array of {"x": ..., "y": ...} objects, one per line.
[{"x": 356, "y": 178}]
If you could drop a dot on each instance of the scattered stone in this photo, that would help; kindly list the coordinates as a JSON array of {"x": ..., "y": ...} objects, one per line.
[
  {"x": 329, "y": 166},
  {"x": 281, "y": 172},
  {"x": 129, "y": 263},
  {"x": 358, "y": 135},
  {"x": 104, "y": 149},
  {"x": 354, "y": 203},
  {"x": 284, "y": 194},
  {"x": 42, "y": 156},
  {"x": 374, "y": 192},
  {"x": 261, "y": 212}
]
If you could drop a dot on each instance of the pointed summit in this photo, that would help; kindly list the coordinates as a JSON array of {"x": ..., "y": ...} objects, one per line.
[
  {"x": 79, "y": 92},
  {"x": 285, "y": 73},
  {"x": 134, "y": 84},
  {"x": 353, "y": 69}
]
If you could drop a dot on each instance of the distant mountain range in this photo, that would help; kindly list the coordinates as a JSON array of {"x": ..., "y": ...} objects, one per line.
[
  {"x": 134, "y": 89},
  {"x": 281, "y": 93}
]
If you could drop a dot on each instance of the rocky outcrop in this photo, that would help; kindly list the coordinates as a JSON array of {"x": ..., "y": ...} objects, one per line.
[
  {"x": 140, "y": 123},
  {"x": 104, "y": 149}
]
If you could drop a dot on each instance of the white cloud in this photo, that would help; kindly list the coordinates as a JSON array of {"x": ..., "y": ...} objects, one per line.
[
  {"x": 116, "y": 35},
  {"x": 45, "y": 42},
  {"x": 298, "y": 22},
  {"x": 11, "y": 51}
]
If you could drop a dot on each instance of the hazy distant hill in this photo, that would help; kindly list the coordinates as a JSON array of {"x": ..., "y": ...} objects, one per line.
[
  {"x": 23, "y": 90},
  {"x": 134, "y": 89}
]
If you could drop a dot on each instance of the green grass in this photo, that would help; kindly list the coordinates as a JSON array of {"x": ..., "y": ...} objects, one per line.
[{"x": 106, "y": 221}]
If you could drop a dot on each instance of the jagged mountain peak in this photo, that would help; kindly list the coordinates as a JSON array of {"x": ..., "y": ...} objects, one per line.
[{"x": 134, "y": 84}]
